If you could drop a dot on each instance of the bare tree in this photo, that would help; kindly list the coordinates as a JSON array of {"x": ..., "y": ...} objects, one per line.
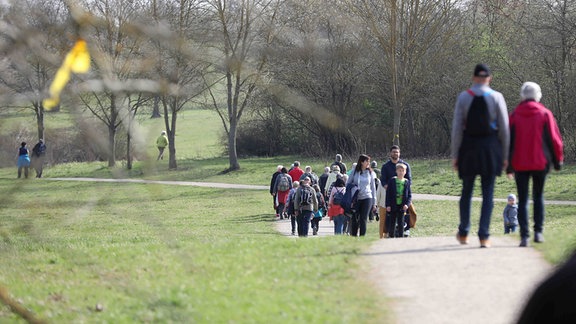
[
  {"x": 242, "y": 31},
  {"x": 29, "y": 31},
  {"x": 116, "y": 53},
  {"x": 181, "y": 61},
  {"x": 409, "y": 34}
]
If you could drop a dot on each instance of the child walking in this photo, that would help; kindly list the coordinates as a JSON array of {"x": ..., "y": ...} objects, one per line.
[
  {"x": 398, "y": 198},
  {"x": 510, "y": 215}
]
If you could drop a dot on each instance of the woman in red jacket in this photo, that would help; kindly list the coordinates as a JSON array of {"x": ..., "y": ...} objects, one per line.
[{"x": 535, "y": 145}]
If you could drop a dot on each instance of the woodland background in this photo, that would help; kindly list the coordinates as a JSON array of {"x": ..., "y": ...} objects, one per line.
[{"x": 300, "y": 77}]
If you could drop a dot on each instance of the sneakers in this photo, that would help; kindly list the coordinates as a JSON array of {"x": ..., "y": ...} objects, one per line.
[
  {"x": 406, "y": 233},
  {"x": 463, "y": 239},
  {"x": 523, "y": 242},
  {"x": 485, "y": 243},
  {"x": 538, "y": 237}
]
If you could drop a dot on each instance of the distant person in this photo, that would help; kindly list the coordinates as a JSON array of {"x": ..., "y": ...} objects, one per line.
[
  {"x": 480, "y": 141},
  {"x": 398, "y": 198},
  {"x": 305, "y": 205},
  {"x": 289, "y": 207},
  {"x": 335, "y": 174},
  {"x": 335, "y": 210},
  {"x": 553, "y": 299},
  {"x": 381, "y": 204},
  {"x": 161, "y": 143},
  {"x": 363, "y": 177},
  {"x": 341, "y": 165},
  {"x": 38, "y": 157},
  {"x": 281, "y": 190},
  {"x": 272, "y": 189},
  {"x": 308, "y": 173},
  {"x": 322, "y": 181},
  {"x": 510, "y": 215},
  {"x": 320, "y": 213},
  {"x": 296, "y": 172},
  {"x": 374, "y": 167},
  {"x": 536, "y": 146},
  {"x": 23, "y": 160}
]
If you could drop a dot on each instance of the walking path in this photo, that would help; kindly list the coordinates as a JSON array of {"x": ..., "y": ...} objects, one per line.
[{"x": 434, "y": 279}]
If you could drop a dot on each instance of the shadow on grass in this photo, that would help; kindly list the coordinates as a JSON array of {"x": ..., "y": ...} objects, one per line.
[{"x": 252, "y": 219}]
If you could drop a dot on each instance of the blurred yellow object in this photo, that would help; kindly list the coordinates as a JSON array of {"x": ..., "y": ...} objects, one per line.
[{"x": 77, "y": 61}]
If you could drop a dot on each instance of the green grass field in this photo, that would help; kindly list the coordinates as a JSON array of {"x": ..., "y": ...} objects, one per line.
[{"x": 169, "y": 254}]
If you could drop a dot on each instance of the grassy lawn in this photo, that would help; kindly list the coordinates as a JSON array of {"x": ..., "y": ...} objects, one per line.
[
  {"x": 163, "y": 254},
  {"x": 154, "y": 253}
]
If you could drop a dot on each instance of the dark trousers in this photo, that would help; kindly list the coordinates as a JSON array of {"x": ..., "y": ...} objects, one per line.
[
  {"x": 522, "y": 184},
  {"x": 280, "y": 209},
  {"x": 38, "y": 163},
  {"x": 315, "y": 223},
  {"x": 486, "y": 209},
  {"x": 303, "y": 220},
  {"x": 395, "y": 223},
  {"x": 360, "y": 217}
]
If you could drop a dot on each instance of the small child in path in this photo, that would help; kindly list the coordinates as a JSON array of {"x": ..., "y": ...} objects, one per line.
[
  {"x": 398, "y": 198},
  {"x": 510, "y": 215}
]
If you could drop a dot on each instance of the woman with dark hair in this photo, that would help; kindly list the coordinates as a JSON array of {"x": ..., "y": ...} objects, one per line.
[
  {"x": 364, "y": 178},
  {"x": 23, "y": 160}
]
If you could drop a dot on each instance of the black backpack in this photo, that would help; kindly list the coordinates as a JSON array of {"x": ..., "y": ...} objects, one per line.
[
  {"x": 478, "y": 118},
  {"x": 306, "y": 196}
]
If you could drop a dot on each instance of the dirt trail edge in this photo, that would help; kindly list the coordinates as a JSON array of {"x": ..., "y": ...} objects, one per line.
[{"x": 437, "y": 280}]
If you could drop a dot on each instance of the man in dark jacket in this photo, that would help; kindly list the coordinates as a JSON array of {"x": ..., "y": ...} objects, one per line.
[
  {"x": 272, "y": 188},
  {"x": 38, "y": 157}
]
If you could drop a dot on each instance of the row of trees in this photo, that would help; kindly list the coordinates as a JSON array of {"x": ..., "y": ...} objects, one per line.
[{"x": 289, "y": 76}]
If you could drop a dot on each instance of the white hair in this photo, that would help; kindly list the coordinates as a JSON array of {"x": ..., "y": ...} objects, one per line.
[
  {"x": 279, "y": 167},
  {"x": 530, "y": 90}
]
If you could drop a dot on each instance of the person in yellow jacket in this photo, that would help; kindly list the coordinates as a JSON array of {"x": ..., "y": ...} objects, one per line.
[{"x": 161, "y": 143}]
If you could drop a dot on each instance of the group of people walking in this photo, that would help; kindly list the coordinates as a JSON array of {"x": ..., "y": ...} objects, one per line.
[
  {"x": 36, "y": 159},
  {"x": 350, "y": 198}
]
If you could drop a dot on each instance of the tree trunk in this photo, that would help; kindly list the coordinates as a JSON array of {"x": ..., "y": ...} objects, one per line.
[
  {"x": 111, "y": 145},
  {"x": 232, "y": 154},
  {"x": 156, "y": 108},
  {"x": 40, "y": 121},
  {"x": 128, "y": 155},
  {"x": 172, "y": 164}
]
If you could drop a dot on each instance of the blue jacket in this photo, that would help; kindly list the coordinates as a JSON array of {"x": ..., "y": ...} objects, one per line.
[{"x": 391, "y": 195}]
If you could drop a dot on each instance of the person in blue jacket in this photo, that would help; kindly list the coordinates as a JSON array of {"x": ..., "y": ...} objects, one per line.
[{"x": 23, "y": 160}]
